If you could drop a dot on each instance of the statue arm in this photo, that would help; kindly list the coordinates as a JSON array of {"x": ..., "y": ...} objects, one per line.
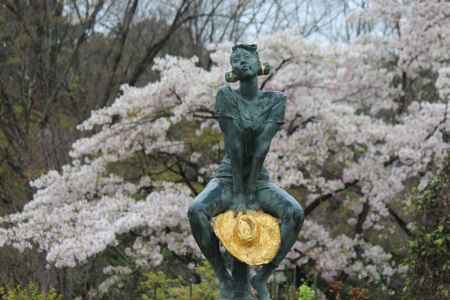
[
  {"x": 264, "y": 139},
  {"x": 232, "y": 140}
]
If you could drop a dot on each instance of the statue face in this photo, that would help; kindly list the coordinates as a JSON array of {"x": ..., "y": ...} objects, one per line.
[{"x": 245, "y": 63}]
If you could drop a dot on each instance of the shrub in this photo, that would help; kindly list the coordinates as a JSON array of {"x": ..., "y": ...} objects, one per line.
[
  {"x": 29, "y": 292},
  {"x": 306, "y": 293},
  {"x": 428, "y": 260},
  {"x": 161, "y": 286}
]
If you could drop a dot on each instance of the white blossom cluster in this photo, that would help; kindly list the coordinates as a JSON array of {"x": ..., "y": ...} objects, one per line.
[
  {"x": 79, "y": 213},
  {"x": 421, "y": 29},
  {"x": 345, "y": 128},
  {"x": 164, "y": 217},
  {"x": 330, "y": 256}
]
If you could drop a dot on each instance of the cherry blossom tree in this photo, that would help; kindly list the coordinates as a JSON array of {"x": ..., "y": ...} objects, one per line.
[{"x": 366, "y": 122}]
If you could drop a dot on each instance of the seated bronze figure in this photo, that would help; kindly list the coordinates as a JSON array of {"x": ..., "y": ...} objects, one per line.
[{"x": 241, "y": 189}]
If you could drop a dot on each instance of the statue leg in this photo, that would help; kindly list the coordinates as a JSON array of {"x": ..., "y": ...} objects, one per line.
[
  {"x": 240, "y": 273},
  {"x": 278, "y": 203},
  {"x": 210, "y": 202},
  {"x": 241, "y": 283}
]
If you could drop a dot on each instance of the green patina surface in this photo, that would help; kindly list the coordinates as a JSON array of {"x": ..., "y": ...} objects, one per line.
[{"x": 249, "y": 119}]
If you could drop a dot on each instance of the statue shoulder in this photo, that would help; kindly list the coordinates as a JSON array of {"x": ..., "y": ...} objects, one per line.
[
  {"x": 277, "y": 95},
  {"x": 223, "y": 92},
  {"x": 277, "y": 107},
  {"x": 225, "y": 100},
  {"x": 278, "y": 98}
]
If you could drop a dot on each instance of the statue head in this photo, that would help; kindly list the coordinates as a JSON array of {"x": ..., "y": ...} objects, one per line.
[{"x": 245, "y": 63}]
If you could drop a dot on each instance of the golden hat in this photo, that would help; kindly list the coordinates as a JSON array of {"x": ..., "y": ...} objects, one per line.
[{"x": 253, "y": 237}]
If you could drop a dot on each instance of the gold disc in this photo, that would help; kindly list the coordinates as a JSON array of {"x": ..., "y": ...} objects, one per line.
[{"x": 253, "y": 237}]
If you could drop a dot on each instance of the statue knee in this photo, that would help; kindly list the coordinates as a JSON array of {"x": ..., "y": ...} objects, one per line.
[
  {"x": 299, "y": 215},
  {"x": 296, "y": 214},
  {"x": 195, "y": 211}
]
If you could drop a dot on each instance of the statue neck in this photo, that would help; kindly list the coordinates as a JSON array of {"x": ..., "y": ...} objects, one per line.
[{"x": 248, "y": 88}]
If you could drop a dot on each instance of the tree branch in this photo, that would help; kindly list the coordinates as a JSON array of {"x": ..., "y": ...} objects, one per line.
[
  {"x": 154, "y": 49},
  {"x": 125, "y": 29},
  {"x": 319, "y": 200}
]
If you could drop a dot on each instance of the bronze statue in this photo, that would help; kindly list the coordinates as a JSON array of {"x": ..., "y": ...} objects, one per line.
[{"x": 240, "y": 206}]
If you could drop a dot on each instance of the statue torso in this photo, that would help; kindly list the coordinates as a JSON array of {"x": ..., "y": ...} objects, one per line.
[{"x": 250, "y": 117}]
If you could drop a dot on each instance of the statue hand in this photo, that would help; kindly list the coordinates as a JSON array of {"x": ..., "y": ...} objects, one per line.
[
  {"x": 238, "y": 207},
  {"x": 251, "y": 193},
  {"x": 243, "y": 202},
  {"x": 252, "y": 203},
  {"x": 239, "y": 202},
  {"x": 250, "y": 197}
]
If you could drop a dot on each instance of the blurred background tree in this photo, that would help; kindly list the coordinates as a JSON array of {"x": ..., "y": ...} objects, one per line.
[{"x": 61, "y": 59}]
